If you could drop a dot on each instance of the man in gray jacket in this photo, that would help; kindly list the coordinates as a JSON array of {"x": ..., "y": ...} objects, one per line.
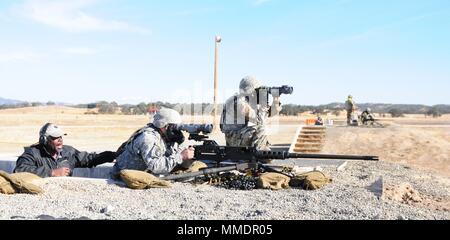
[
  {"x": 155, "y": 148},
  {"x": 51, "y": 158}
]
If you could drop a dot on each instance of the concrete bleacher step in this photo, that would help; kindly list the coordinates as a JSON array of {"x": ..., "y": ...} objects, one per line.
[
  {"x": 314, "y": 127},
  {"x": 307, "y": 150},
  {"x": 311, "y": 136},
  {"x": 318, "y": 142},
  {"x": 307, "y": 145},
  {"x": 309, "y": 139},
  {"x": 313, "y": 130},
  {"x": 312, "y": 133}
]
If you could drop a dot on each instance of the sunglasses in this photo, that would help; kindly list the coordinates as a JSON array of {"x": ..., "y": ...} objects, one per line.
[{"x": 54, "y": 138}]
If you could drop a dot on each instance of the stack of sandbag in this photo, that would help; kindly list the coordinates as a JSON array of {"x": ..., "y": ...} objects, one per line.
[
  {"x": 273, "y": 181},
  {"x": 18, "y": 183},
  {"x": 142, "y": 180},
  {"x": 308, "y": 181}
]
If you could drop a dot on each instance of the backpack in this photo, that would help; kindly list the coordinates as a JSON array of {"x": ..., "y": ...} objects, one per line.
[{"x": 122, "y": 147}]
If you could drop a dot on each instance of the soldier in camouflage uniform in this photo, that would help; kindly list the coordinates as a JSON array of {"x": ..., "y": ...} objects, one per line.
[
  {"x": 367, "y": 117},
  {"x": 155, "y": 148},
  {"x": 243, "y": 119},
  {"x": 350, "y": 106}
]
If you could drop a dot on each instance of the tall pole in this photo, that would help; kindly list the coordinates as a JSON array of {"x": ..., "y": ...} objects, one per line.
[{"x": 218, "y": 39}]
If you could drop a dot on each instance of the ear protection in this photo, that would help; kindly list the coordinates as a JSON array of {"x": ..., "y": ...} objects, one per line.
[{"x": 42, "y": 136}]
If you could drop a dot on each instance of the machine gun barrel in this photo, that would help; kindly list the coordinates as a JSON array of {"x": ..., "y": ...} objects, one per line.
[
  {"x": 210, "y": 150},
  {"x": 286, "y": 155}
]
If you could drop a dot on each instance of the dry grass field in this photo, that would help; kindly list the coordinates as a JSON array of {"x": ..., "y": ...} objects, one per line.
[{"x": 414, "y": 140}]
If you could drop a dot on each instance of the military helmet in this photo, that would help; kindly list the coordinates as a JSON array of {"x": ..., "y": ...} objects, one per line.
[
  {"x": 166, "y": 116},
  {"x": 248, "y": 85},
  {"x": 368, "y": 110},
  {"x": 350, "y": 96}
]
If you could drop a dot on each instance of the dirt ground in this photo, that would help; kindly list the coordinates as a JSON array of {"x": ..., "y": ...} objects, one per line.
[
  {"x": 414, "y": 140},
  {"x": 421, "y": 147}
]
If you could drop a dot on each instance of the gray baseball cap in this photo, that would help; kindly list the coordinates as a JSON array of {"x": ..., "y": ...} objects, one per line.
[{"x": 52, "y": 130}]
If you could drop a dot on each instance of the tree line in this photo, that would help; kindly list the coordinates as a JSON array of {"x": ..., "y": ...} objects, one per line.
[{"x": 104, "y": 107}]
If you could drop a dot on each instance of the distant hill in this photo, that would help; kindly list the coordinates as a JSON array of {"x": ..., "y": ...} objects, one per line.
[
  {"x": 4, "y": 101},
  {"x": 384, "y": 107}
]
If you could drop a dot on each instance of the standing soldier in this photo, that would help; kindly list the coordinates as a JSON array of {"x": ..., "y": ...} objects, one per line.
[
  {"x": 350, "y": 106},
  {"x": 243, "y": 119}
]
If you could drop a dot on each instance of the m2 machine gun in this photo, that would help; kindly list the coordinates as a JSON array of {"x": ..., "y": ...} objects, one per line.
[{"x": 244, "y": 158}]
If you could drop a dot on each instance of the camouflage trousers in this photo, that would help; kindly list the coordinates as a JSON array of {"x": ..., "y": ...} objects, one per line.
[
  {"x": 252, "y": 136},
  {"x": 349, "y": 117}
]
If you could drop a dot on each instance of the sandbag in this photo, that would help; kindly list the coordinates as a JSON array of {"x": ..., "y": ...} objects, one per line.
[
  {"x": 21, "y": 185},
  {"x": 6, "y": 186},
  {"x": 196, "y": 166},
  {"x": 273, "y": 181},
  {"x": 141, "y": 180},
  {"x": 188, "y": 167},
  {"x": 310, "y": 180},
  {"x": 26, "y": 176}
]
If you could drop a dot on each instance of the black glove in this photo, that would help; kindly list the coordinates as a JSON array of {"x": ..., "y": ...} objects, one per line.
[{"x": 104, "y": 157}]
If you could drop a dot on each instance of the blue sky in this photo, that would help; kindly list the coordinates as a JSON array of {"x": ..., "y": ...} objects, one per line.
[{"x": 129, "y": 51}]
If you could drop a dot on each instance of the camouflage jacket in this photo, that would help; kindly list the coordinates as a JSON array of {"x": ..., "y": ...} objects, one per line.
[
  {"x": 239, "y": 113},
  {"x": 148, "y": 151},
  {"x": 350, "y": 105},
  {"x": 366, "y": 115}
]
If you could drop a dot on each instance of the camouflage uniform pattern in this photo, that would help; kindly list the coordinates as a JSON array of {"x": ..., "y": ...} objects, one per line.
[
  {"x": 254, "y": 136},
  {"x": 149, "y": 152},
  {"x": 367, "y": 118},
  {"x": 350, "y": 107},
  {"x": 245, "y": 126}
]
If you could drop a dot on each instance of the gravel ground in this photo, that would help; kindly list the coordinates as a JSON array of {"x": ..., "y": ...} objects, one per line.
[{"x": 347, "y": 197}]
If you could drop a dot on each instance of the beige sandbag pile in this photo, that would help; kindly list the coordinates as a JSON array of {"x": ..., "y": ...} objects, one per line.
[
  {"x": 18, "y": 183},
  {"x": 196, "y": 166},
  {"x": 6, "y": 186},
  {"x": 310, "y": 180},
  {"x": 142, "y": 180},
  {"x": 273, "y": 181}
]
